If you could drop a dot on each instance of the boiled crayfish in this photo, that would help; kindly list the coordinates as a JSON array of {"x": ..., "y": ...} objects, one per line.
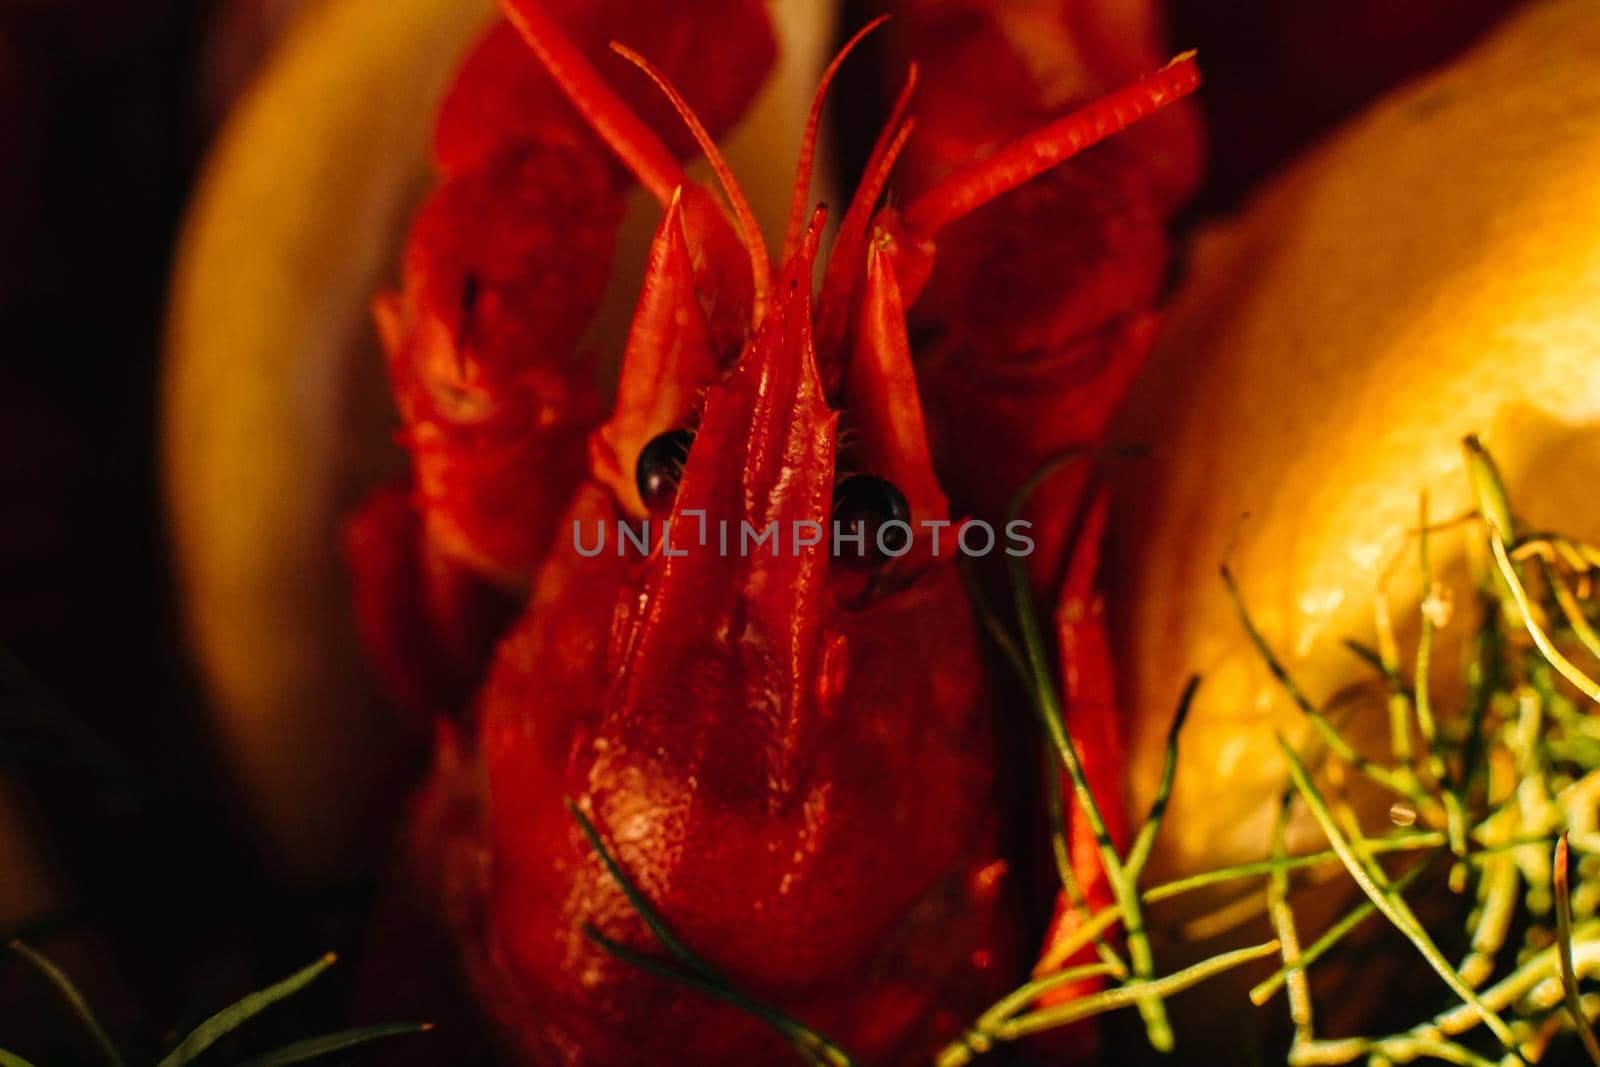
[{"x": 789, "y": 752}]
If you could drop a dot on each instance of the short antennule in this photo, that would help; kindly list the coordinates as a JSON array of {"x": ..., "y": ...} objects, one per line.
[
  {"x": 843, "y": 276},
  {"x": 808, "y": 143},
  {"x": 972, "y": 186},
  {"x": 639, "y": 149},
  {"x": 749, "y": 230}
]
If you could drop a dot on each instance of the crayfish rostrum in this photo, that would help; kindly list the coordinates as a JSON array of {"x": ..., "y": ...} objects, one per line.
[{"x": 789, "y": 751}]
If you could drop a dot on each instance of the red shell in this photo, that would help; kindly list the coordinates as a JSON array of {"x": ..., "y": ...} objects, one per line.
[{"x": 796, "y": 767}]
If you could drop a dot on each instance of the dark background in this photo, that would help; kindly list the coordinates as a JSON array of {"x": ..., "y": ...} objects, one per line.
[{"x": 105, "y": 109}]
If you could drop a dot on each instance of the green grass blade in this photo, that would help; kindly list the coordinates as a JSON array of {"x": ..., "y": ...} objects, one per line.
[
  {"x": 1139, "y": 854},
  {"x": 1569, "y": 977},
  {"x": 314, "y": 1047},
  {"x": 1488, "y": 489},
  {"x": 1568, "y": 603},
  {"x": 990, "y": 619},
  {"x": 1330, "y": 734},
  {"x": 1388, "y": 903},
  {"x": 1287, "y": 930},
  {"x": 647, "y": 912},
  {"x": 1485, "y": 673},
  {"x": 1401, "y": 1048},
  {"x": 235, "y": 1015},
  {"x": 1028, "y": 992},
  {"x": 1092, "y": 929},
  {"x": 1399, "y": 700},
  {"x": 980, "y": 1039},
  {"x": 694, "y": 971},
  {"x": 812, "y": 1046},
  {"x": 1409, "y": 842},
  {"x": 1366, "y": 654},
  {"x": 1130, "y": 994},
  {"x": 69, "y": 992},
  {"x": 1569, "y": 670},
  {"x": 1426, "y": 725},
  {"x": 11, "y": 1059},
  {"x": 1048, "y": 706},
  {"x": 1061, "y": 851},
  {"x": 1330, "y": 938}
]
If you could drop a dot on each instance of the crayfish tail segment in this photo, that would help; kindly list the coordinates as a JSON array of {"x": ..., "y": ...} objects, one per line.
[
  {"x": 881, "y": 391},
  {"x": 669, "y": 360},
  {"x": 977, "y": 183}
]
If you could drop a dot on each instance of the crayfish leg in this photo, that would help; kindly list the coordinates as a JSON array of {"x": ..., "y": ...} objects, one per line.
[
  {"x": 428, "y": 623},
  {"x": 975, "y": 184},
  {"x": 1093, "y": 724}
]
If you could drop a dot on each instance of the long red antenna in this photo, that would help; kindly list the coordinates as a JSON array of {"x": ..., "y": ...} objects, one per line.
[
  {"x": 808, "y": 144},
  {"x": 760, "y": 268},
  {"x": 640, "y": 150},
  {"x": 974, "y": 185}
]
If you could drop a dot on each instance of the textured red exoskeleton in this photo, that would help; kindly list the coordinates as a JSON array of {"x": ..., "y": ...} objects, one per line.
[{"x": 792, "y": 759}]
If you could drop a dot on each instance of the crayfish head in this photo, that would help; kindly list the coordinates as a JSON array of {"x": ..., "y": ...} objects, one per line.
[
  {"x": 757, "y": 476},
  {"x": 794, "y": 762},
  {"x": 752, "y": 670},
  {"x": 787, "y": 494}
]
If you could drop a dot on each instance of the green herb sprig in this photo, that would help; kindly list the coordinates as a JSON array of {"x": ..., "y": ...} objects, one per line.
[
  {"x": 217, "y": 1026},
  {"x": 1499, "y": 787}
]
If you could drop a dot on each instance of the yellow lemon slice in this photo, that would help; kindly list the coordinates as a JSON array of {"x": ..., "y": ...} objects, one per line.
[
  {"x": 267, "y": 440},
  {"x": 1431, "y": 271}
]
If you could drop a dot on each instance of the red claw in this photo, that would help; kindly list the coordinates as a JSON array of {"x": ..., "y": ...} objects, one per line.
[{"x": 504, "y": 267}]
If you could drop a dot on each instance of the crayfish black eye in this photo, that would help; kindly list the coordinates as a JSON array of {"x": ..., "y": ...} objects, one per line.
[
  {"x": 863, "y": 507},
  {"x": 660, "y": 466}
]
